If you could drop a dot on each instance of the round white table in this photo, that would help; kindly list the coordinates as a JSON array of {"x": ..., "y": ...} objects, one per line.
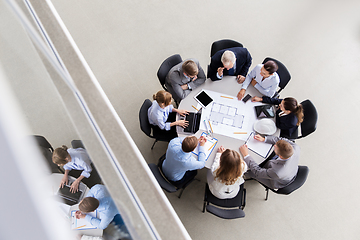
[{"x": 229, "y": 87}]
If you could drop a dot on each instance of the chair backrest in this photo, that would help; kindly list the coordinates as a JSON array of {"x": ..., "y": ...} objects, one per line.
[
  {"x": 43, "y": 142},
  {"x": 223, "y": 44},
  {"x": 164, "y": 184},
  {"x": 282, "y": 71},
  {"x": 300, "y": 179},
  {"x": 166, "y": 66},
  {"x": 77, "y": 144},
  {"x": 143, "y": 118},
  {"x": 238, "y": 201},
  {"x": 310, "y": 118}
]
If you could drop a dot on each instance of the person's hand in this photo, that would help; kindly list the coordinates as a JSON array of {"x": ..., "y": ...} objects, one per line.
[
  {"x": 241, "y": 94},
  {"x": 79, "y": 215},
  {"x": 64, "y": 181},
  {"x": 182, "y": 123},
  {"x": 244, "y": 150},
  {"x": 256, "y": 99},
  {"x": 74, "y": 186},
  {"x": 194, "y": 78},
  {"x": 240, "y": 79},
  {"x": 183, "y": 112},
  {"x": 184, "y": 87},
  {"x": 259, "y": 138},
  {"x": 220, "y": 71},
  {"x": 253, "y": 82},
  {"x": 202, "y": 141},
  {"x": 221, "y": 149}
]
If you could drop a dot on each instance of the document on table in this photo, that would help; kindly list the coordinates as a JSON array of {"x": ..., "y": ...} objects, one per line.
[
  {"x": 260, "y": 148},
  {"x": 82, "y": 224},
  {"x": 209, "y": 146}
]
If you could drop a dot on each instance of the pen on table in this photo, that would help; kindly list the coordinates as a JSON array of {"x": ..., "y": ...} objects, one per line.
[
  {"x": 195, "y": 107},
  {"x": 211, "y": 127},
  {"x": 211, "y": 146},
  {"x": 227, "y": 97},
  {"x": 207, "y": 130},
  {"x": 80, "y": 227},
  {"x": 240, "y": 132}
]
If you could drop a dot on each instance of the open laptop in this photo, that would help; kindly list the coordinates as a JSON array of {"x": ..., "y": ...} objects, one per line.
[
  {"x": 69, "y": 198},
  {"x": 194, "y": 123}
]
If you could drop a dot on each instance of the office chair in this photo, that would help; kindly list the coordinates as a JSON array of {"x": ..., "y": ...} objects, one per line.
[
  {"x": 163, "y": 181},
  {"x": 46, "y": 149},
  {"x": 230, "y": 208},
  {"x": 146, "y": 127},
  {"x": 310, "y": 120},
  {"x": 223, "y": 44},
  {"x": 220, "y": 45},
  {"x": 283, "y": 73},
  {"x": 166, "y": 66},
  {"x": 300, "y": 179},
  {"x": 77, "y": 144}
]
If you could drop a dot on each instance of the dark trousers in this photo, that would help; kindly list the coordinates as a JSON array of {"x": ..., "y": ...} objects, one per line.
[
  {"x": 189, "y": 175},
  {"x": 167, "y": 135}
]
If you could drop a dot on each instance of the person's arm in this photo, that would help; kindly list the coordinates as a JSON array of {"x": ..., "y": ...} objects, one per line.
[
  {"x": 65, "y": 178},
  {"x": 216, "y": 162},
  {"x": 75, "y": 185},
  {"x": 245, "y": 68},
  {"x": 270, "y": 100},
  {"x": 99, "y": 223},
  {"x": 201, "y": 77},
  {"x": 270, "y": 91},
  {"x": 175, "y": 80},
  {"x": 214, "y": 65},
  {"x": 248, "y": 78}
]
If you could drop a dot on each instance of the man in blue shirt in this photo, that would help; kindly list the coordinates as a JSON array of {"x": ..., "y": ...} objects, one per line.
[
  {"x": 98, "y": 199},
  {"x": 180, "y": 165}
]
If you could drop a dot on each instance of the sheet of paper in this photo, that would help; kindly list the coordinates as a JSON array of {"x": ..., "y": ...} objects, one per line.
[
  {"x": 229, "y": 115},
  {"x": 81, "y": 224},
  {"x": 209, "y": 146},
  {"x": 260, "y": 148}
]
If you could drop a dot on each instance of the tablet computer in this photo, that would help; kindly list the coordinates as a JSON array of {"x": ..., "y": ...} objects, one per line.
[{"x": 203, "y": 98}]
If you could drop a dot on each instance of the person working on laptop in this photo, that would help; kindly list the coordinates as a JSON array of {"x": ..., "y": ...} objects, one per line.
[
  {"x": 183, "y": 78},
  {"x": 234, "y": 61},
  {"x": 69, "y": 159},
  {"x": 279, "y": 171},
  {"x": 264, "y": 78},
  {"x": 289, "y": 115},
  {"x": 162, "y": 115},
  {"x": 98, "y": 198},
  {"x": 225, "y": 176},
  {"x": 180, "y": 166}
]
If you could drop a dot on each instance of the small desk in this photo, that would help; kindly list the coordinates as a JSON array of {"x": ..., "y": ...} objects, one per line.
[{"x": 229, "y": 86}]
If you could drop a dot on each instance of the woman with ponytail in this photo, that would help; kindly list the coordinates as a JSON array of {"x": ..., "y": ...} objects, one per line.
[
  {"x": 289, "y": 115},
  {"x": 69, "y": 159},
  {"x": 162, "y": 115}
]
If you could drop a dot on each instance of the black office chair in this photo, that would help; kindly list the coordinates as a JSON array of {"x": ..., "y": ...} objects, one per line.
[
  {"x": 310, "y": 120},
  {"x": 166, "y": 66},
  {"x": 162, "y": 180},
  {"x": 300, "y": 179},
  {"x": 230, "y": 208},
  {"x": 146, "y": 127},
  {"x": 223, "y": 44},
  {"x": 283, "y": 73},
  {"x": 46, "y": 149}
]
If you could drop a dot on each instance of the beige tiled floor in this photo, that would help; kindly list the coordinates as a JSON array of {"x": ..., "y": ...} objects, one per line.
[{"x": 124, "y": 42}]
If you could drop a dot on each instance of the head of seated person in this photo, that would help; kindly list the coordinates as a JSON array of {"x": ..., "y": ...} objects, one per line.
[
  {"x": 290, "y": 105},
  {"x": 228, "y": 59},
  {"x": 88, "y": 204},
  {"x": 231, "y": 167},
  {"x": 283, "y": 149},
  {"x": 163, "y": 98},
  {"x": 268, "y": 69},
  {"x": 189, "y": 144},
  {"x": 61, "y": 156},
  {"x": 190, "y": 69}
]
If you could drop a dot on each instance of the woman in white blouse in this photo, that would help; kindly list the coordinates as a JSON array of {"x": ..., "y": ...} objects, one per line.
[{"x": 225, "y": 176}]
